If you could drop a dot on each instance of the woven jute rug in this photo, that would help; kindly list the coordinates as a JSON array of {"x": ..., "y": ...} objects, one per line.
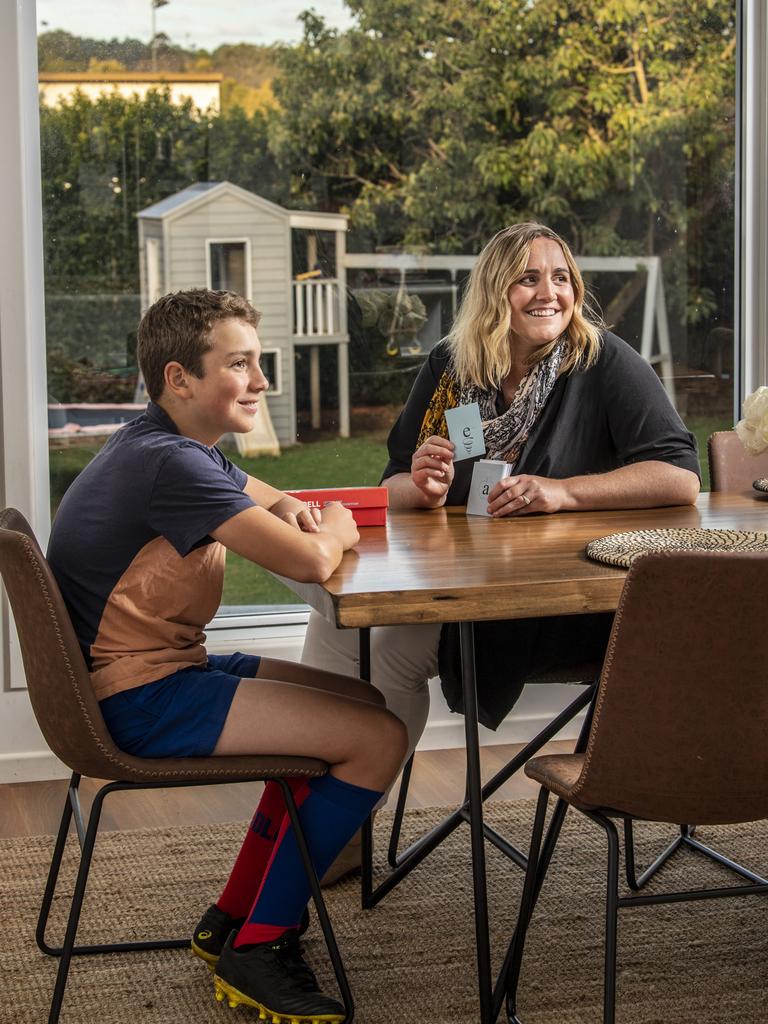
[{"x": 412, "y": 958}]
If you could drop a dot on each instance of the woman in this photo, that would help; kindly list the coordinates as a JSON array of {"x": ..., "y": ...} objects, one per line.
[{"x": 585, "y": 424}]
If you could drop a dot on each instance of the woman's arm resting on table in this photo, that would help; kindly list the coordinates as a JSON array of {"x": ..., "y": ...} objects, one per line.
[
  {"x": 429, "y": 481},
  {"x": 648, "y": 484},
  {"x": 278, "y": 546}
]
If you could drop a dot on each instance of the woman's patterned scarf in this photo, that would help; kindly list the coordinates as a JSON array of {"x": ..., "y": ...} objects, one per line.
[{"x": 506, "y": 435}]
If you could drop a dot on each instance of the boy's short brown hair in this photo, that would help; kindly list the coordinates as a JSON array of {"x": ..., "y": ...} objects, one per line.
[{"x": 177, "y": 328}]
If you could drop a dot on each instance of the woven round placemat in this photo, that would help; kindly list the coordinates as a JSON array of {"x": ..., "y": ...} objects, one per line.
[
  {"x": 761, "y": 485},
  {"x": 621, "y": 549}
]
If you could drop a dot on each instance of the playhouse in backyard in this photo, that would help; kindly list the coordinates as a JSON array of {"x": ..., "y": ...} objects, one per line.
[{"x": 288, "y": 263}]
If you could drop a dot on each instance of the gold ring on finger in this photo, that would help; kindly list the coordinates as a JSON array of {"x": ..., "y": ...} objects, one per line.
[{"x": 526, "y": 499}]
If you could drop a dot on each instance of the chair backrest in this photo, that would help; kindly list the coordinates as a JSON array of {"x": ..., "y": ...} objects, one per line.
[
  {"x": 57, "y": 677},
  {"x": 680, "y": 723},
  {"x": 731, "y": 466}
]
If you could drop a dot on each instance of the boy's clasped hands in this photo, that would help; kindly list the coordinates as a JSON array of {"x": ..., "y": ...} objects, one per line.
[{"x": 311, "y": 520}]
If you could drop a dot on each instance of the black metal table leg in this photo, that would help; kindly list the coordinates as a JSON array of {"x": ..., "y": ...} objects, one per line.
[
  {"x": 475, "y": 800},
  {"x": 366, "y": 850}
]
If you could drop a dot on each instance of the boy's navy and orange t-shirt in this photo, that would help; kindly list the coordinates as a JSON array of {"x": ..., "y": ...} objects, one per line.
[{"x": 132, "y": 552}]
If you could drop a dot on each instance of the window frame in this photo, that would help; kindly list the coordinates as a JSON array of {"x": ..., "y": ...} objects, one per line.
[
  {"x": 23, "y": 384},
  {"x": 276, "y": 383},
  {"x": 751, "y": 200},
  {"x": 230, "y": 241}
]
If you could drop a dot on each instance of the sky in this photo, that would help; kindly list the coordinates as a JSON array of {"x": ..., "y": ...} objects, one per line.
[{"x": 198, "y": 23}]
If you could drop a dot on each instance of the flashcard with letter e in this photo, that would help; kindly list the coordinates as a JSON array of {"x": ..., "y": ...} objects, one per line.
[{"x": 465, "y": 429}]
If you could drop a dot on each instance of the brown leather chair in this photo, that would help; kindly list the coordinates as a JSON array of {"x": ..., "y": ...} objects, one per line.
[
  {"x": 731, "y": 466},
  {"x": 678, "y": 732},
  {"x": 68, "y": 715}
]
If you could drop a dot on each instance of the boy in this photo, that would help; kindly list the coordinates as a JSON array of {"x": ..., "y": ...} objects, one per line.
[{"x": 138, "y": 550}]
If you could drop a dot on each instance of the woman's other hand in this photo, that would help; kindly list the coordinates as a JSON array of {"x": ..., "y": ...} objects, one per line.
[
  {"x": 520, "y": 495},
  {"x": 432, "y": 468}
]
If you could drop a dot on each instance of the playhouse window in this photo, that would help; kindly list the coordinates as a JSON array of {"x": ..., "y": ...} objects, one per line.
[
  {"x": 272, "y": 369},
  {"x": 228, "y": 266}
]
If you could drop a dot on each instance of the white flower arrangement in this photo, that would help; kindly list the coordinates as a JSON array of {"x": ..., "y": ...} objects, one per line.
[{"x": 753, "y": 429}]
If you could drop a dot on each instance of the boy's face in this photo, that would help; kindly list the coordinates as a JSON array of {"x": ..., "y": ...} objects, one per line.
[{"x": 226, "y": 398}]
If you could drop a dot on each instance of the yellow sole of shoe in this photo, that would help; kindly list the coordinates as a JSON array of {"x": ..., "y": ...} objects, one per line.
[
  {"x": 208, "y": 958},
  {"x": 234, "y": 998}
]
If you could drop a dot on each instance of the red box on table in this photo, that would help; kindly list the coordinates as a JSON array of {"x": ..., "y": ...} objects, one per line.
[{"x": 368, "y": 505}]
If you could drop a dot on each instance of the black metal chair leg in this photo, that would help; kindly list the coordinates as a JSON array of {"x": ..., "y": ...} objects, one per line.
[
  {"x": 539, "y": 860},
  {"x": 69, "y": 949},
  {"x": 561, "y": 807},
  {"x": 719, "y": 858},
  {"x": 397, "y": 824},
  {"x": 611, "y": 916},
  {"x": 73, "y": 793},
  {"x": 550, "y": 841},
  {"x": 685, "y": 839},
  {"x": 634, "y": 882},
  {"x": 317, "y": 897},
  {"x": 509, "y": 976},
  {"x": 53, "y": 872},
  {"x": 101, "y": 947},
  {"x": 76, "y": 906}
]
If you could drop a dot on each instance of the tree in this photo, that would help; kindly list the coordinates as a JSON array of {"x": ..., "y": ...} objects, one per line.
[
  {"x": 435, "y": 124},
  {"x": 62, "y": 51},
  {"x": 102, "y": 163}
]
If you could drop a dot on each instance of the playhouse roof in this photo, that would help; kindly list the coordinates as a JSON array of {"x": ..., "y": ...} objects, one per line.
[
  {"x": 203, "y": 191},
  {"x": 173, "y": 202}
]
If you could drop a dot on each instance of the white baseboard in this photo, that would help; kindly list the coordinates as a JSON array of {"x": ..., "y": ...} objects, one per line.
[{"x": 32, "y": 766}]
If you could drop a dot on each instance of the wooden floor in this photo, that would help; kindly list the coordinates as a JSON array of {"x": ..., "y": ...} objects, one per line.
[{"x": 34, "y": 808}]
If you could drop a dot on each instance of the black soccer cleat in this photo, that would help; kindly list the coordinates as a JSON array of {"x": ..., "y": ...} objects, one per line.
[
  {"x": 211, "y": 933},
  {"x": 213, "y": 930},
  {"x": 274, "y": 979}
]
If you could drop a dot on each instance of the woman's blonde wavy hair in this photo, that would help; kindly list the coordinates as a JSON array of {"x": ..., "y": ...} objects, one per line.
[{"x": 479, "y": 338}]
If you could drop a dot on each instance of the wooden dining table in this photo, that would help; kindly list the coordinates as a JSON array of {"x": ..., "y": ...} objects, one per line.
[{"x": 444, "y": 566}]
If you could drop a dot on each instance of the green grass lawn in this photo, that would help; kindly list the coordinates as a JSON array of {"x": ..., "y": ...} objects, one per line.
[{"x": 337, "y": 462}]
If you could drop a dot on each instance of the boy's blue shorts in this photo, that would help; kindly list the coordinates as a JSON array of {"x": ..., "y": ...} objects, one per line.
[{"x": 181, "y": 715}]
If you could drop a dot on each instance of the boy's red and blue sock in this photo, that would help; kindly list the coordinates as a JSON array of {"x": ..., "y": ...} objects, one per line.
[
  {"x": 330, "y": 811},
  {"x": 252, "y": 860}
]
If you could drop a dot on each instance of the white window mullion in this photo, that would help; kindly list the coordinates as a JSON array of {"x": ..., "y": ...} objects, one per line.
[
  {"x": 24, "y": 413},
  {"x": 22, "y": 308},
  {"x": 752, "y": 336}
]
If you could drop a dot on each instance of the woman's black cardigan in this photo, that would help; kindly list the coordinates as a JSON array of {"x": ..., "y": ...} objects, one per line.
[{"x": 614, "y": 414}]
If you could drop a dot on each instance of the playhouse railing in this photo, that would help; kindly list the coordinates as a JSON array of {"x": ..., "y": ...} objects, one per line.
[{"x": 316, "y": 308}]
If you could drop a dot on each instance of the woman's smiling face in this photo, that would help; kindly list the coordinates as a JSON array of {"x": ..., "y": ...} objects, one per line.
[{"x": 542, "y": 299}]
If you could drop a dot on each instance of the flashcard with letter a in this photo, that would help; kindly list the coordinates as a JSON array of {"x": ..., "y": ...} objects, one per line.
[
  {"x": 465, "y": 429},
  {"x": 485, "y": 475}
]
